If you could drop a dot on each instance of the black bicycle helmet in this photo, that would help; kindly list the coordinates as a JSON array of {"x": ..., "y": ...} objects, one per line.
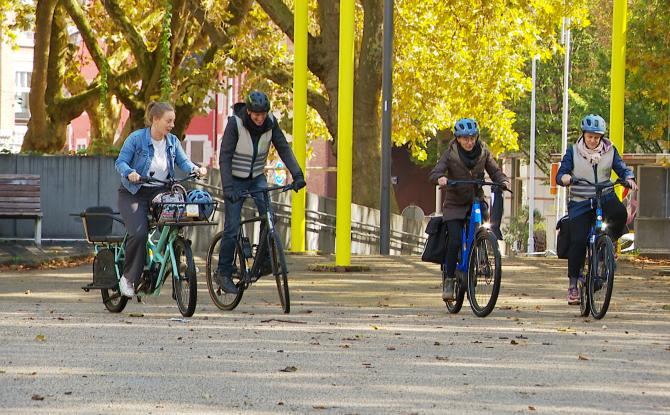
[{"x": 258, "y": 102}]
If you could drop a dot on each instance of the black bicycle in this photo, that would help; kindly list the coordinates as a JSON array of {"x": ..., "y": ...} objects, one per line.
[
  {"x": 596, "y": 282},
  {"x": 251, "y": 261}
]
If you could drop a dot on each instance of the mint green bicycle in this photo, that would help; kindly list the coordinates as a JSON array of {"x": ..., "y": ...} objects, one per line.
[{"x": 169, "y": 254}]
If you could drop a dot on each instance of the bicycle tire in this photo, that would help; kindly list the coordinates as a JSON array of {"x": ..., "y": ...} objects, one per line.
[
  {"x": 220, "y": 298},
  {"x": 483, "y": 292},
  {"x": 601, "y": 280},
  {"x": 113, "y": 300},
  {"x": 185, "y": 283},
  {"x": 455, "y": 305},
  {"x": 280, "y": 271}
]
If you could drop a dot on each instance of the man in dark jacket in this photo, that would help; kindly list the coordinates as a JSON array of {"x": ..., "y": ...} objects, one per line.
[
  {"x": 466, "y": 158},
  {"x": 244, "y": 151}
]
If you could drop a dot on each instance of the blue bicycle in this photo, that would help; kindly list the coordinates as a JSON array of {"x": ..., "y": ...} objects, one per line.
[
  {"x": 479, "y": 268},
  {"x": 596, "y": 282}
]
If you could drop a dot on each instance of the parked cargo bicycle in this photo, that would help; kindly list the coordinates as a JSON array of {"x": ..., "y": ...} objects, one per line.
[
  {"x": 596, "y": 282},
  {"x": 479, "y": 268},
  {"x": 251, "y": 260},
  {"x": 169, "y": 254}
]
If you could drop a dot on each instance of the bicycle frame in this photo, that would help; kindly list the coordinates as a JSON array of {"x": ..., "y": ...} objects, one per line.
[
  {"x": 252, "y": 275},
  {"x": 467, "y": 239},
  {"x": 160, "y": 253}
]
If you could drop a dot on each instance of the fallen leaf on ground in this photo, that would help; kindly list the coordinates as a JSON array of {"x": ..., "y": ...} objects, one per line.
[
  {"x": 444, "y": 358},
  {"x": 37, "y": 397},
  {"x": 289, "y": 369},
  {"x": 40, "y": 337},
  {"x": 514, "y": 342},
  {"x": 580, "y": 357},
  {"x": 531, "y": 408},
  {"x": 136, "y": 315}
]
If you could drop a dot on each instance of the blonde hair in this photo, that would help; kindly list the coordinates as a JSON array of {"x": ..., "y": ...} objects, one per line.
[{"x": 156, "y": 110}]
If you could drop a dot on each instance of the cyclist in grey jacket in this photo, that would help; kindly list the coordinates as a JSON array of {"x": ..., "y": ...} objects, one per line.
[
  {"x": 592, "y": 158},
  {"x": 244, "y": 151}
]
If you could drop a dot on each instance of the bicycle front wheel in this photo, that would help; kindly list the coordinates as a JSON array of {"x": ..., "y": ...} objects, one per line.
[
  {"x": 185, "y": 283},
  {"x": 220, "y": 298},
  {"x": 280, "y": 271},
  {"x": 484, "y": 274},
  {"x": 601, "y": 279}
]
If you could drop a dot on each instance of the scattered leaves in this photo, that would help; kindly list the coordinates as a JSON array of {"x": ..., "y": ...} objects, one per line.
[{"x": 289, "y": 369}]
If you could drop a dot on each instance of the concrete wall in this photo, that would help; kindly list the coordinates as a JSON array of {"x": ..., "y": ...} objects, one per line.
[{"x": 68, "y": 185}]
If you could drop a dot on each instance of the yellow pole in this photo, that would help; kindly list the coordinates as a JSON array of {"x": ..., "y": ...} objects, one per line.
[
  {"x": 299, "y": 121},
  {"x": 345, "y": 114},
  {"x": 618, "y": 77}
]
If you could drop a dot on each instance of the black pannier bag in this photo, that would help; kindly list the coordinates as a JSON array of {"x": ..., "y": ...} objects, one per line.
[
  {"x": 563, "y": 237},
  {"x": 436, "y": 244}
]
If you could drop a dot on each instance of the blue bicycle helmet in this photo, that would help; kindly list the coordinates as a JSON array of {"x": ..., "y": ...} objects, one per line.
[
  {"x": 257, "y": 101},
  {"x": 202, "y": 198},
  {"x": 466, "y": 126},
  {"x": 594, "y": 124}
]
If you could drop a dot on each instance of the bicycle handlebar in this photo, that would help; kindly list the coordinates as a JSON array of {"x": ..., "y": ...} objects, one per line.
[
  {"x": 601, "y": 185},
  {"x": 169, "y": 181},
  {"x": 478, "y": 183},
  {"x": 283, "y": 188}
]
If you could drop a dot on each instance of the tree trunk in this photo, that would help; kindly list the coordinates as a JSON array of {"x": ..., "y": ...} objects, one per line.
[{"x": 39, "y": 125}]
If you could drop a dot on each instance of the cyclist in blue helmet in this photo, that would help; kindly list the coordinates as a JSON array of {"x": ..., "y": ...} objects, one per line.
[
  {"x": 244, "y": 150},
  {"x": 466, "y": 158},
  {"x": 592, "y": 158}
]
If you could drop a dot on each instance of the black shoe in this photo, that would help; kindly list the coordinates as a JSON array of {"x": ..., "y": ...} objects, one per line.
[
  {"x": 226, "y": 282},
  {"x": 448, "y": 288}
]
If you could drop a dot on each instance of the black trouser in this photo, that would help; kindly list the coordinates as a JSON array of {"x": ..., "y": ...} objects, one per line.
[
  {"x": 454, "y": 237},
  {"x": 614, "y": 214},
  {"x": 134, "y": 209}
]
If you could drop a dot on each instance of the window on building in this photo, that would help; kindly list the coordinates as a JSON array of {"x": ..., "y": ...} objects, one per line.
[
  {"x": 22, "y": 87},
  {"x": 197, "y": 152}
]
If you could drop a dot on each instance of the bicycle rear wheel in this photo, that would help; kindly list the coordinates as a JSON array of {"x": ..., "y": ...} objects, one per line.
[
  {"x": 601, "y": 279},
  {"x": 220, "y": 298},
  {"x": 185, "y": 282},
  {"x": 484, "y": 274},
  {"x": 280, "y": 271},
  {"x": 454, "y": 306}
]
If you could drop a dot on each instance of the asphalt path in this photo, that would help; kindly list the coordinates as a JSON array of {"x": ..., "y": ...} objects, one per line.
[{"x": 377, "y": 342}]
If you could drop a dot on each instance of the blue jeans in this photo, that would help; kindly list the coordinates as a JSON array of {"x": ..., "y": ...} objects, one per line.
[{"x": 233, "y": 217}]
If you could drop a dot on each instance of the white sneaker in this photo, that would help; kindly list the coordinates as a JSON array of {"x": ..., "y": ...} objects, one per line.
[{"x": 126, "y": 288}]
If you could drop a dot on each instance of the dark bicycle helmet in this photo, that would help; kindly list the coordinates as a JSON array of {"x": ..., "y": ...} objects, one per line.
[
  {"x": 594, "y": 124},
  {"x": 465, "y": 127},
  {"x": 202, "y": 198},
  {"x": 258, "y": 102}
]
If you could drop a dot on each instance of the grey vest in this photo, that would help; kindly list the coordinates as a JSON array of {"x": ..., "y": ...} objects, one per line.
[
  {"x": 584, "y": 170},
  {"x": 245, "y": 162}
]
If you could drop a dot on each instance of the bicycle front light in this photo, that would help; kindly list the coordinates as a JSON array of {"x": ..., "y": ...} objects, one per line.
[
  {"x": 603, "y": 226},
  {"x": 487, "y": 225}
]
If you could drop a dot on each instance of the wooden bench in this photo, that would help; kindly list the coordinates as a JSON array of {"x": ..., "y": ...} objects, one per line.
[{"x": 20, "y": 199}]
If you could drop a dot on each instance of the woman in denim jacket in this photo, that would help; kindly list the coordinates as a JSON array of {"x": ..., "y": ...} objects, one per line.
[
  {"x": 151, "y": 151},
  {"x": 592, "y": 158}
]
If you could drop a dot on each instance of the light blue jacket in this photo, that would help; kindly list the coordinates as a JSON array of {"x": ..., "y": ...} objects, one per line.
[{"x": 138, "y": 151}]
